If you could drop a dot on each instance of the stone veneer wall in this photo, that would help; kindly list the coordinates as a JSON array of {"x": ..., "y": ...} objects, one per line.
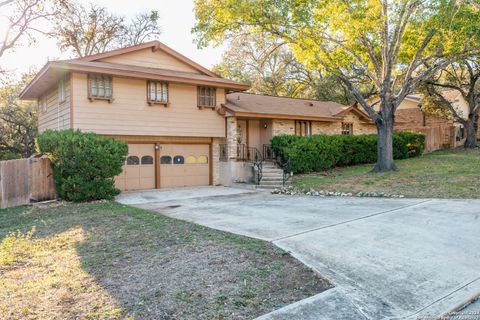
[
  {"x": 216, "y": 160},
  {"x": 287, "y": 127}
]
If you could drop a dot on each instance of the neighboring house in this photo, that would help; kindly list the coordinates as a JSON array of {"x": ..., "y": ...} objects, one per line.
[
  {"x": 184, "y": 125},
  {"x": 440, "y": 132}
]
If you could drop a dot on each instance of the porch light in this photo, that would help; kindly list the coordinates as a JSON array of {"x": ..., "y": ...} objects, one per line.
[{"x": 265, "y": 125}]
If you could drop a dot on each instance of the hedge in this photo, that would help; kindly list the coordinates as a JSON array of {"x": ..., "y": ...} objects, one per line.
[
  {"x": 321, "y": 152},
  {"x": 84, "y": 164}
]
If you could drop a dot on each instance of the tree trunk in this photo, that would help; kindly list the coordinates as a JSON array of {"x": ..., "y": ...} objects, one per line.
[
  {"x": 471, "y": 141},
  {"x": 384, "y": 146}
]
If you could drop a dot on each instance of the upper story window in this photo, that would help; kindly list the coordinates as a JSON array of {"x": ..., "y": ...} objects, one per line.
[
  {"x": 347, "y": 128},
  {"x": 100, "y": 87},
  {"x": 157, "y": 92},
  {"x": 303, "y": 128},
  {"x": 206, "y": 97},
  {"x": 61, "y": 91}
]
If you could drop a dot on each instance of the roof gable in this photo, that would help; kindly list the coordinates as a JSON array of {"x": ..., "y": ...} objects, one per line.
[{"x": 152, "y": 54}]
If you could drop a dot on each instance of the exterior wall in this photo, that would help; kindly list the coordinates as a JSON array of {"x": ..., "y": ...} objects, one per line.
[
  {"x": 287, "y": 127},
  {"x": 280, "y": 127},
  {"x": 359, "y": 127},
  {"x": 414, "y": 118},
  {"x": 326, "y": 127},
  {"x": 215, "y": 159},
  {"x": 129, "y": 113},
  {"x": 57, "y": 115},
  {"x": 150, "y": 59}
]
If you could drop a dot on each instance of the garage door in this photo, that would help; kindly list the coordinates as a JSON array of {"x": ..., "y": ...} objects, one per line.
[
  {"x": 184, "y": 165},
  {"x": 139, "y": 169}
]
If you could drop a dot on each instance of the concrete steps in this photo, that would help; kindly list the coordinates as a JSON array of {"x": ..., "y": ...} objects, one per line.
[{"x": 272, "y": 177}]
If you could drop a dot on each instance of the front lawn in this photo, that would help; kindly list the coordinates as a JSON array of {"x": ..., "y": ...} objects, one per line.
[
  {"x": 109, "y": 261},
  {"x": 441, "y": 174}
]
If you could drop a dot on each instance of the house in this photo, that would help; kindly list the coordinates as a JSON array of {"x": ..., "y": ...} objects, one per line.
[
  {"x": 184, "y": 124},
  {"x": 441, "y": 132}
]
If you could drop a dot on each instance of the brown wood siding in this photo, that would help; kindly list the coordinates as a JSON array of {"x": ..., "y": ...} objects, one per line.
[
  {"x": 130, "y": 114},
  {"x": 57, "y": 115},
  {"x": 150, "y": 59}
]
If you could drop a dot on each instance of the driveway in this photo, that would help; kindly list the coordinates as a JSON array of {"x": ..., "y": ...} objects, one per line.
[{"x": 388, "y": 258}]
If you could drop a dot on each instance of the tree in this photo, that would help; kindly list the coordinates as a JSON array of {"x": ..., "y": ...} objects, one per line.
[
  {"x": 93, "y": 29},
  {"x": 18, "y": 122},
  {"x": 392, "y": 46},
  {"x": 463, "y": 77},
  {"x": 267, "y": 65},
  {"x": 22, "y": 20},
  {"x": 270, "y": 67}
]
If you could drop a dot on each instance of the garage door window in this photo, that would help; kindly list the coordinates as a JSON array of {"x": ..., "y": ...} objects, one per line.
[
  {"x": 133, "y": 160},
  {"x": 166, "y": 160},
  {"x": 178, "y": 160},
  {"x": 202, "y": 159},
  {"x": 147, "y": 160},
  {"x": 191, "y": 159}
]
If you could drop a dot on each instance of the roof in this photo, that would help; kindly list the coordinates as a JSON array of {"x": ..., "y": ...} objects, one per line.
[
  {"x": 449, "y": 94},
  {"x": 156, "y": 46},
  {"x": 254, "y": 105},
  {"x": 51, "y": 73}
]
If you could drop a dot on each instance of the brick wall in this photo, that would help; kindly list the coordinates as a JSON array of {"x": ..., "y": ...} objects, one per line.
[{"x": 413, "y": 118}]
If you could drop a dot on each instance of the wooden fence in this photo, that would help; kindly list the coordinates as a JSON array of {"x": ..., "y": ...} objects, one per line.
[
  {"x": 25, "y": 180},
  {"x": 438, "y": 137}
]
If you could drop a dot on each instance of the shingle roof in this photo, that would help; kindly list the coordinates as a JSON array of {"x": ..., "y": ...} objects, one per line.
[
  {"x": 52, "y": 72},
  {"x": 269, "y": 106}
]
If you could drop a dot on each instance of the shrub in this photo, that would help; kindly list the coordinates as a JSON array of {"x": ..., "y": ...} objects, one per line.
[
  {"x": 84, "y": 164},
  {"x": 321, "y": 152}
]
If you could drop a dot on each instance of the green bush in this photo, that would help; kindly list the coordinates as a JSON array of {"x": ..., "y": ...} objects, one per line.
[
  {"x": 84, "y": 164},
  {"x": 321, "y": 152}
]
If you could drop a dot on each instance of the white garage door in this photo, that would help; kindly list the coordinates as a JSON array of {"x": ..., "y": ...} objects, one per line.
[
  {"x": 184, "y": 165},
  {"x": 139, "y": 169}
]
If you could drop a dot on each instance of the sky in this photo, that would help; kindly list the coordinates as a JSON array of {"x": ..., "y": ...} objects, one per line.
[{"x": 176, "y": 20}]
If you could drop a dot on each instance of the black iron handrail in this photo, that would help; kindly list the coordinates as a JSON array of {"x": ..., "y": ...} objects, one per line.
[
  {"x": 283, "y": 162},
  {"x": 253, "y": 155}
]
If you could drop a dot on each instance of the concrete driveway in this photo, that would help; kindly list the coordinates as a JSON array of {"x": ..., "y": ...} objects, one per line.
[{"x": 388, "y": 258}]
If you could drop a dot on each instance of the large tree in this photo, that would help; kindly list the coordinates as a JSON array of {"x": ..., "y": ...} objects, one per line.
[
  {"x": 462, "y": 77},
  {"x": 22, "y": 20},
  {"x": 267, "y": 65},
  {"x": 87, "y": 30},
  {"x": 393, "y": 45},
  {"x": 18, "y": 121},
  {"x": 270, "y": 67}
]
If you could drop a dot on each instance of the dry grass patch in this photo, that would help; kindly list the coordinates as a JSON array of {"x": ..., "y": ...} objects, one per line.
[
  {"x": 441, "y": 174},
  {"x": 109, "y": 261}
]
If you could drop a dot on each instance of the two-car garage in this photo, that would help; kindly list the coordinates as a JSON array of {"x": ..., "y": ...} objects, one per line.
[{"x": 150, "y": 166}]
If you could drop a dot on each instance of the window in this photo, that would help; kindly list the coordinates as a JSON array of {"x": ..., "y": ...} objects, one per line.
[
  {"x": 347, "y": 128},
  {"x": 133, "y": 160},
  {"x": 303, "y": 128},
  {"x": 191, "y": 159},
  {"x": 206, "y": 97},
  {"x": 157, "y": 92},
  {"x": 166, "y": 160},
  {"x": 100, "y": 87},
  {"x": 61, "y": 91},
  {"x": 147, "y": 160},
  {"x": 202, "y": 159},
  {"x": 178, "y": 160}
]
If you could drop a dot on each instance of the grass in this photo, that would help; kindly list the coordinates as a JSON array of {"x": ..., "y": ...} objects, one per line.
[
  {"x": 442, "y": 174},
  {"x": 109, "y": 261}
]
